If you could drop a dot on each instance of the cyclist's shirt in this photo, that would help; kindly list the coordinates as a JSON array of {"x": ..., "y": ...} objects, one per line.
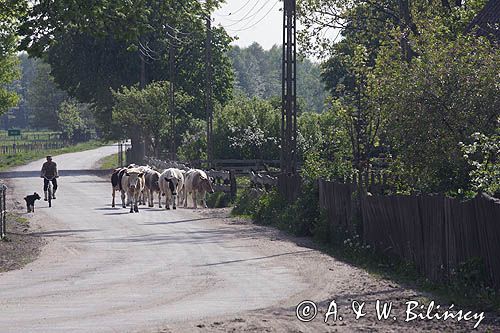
[{"x": 49, "y": 169}]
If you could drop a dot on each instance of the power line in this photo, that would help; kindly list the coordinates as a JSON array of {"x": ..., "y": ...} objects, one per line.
[
  {"x": 254, "y": 24},
  {"x": 249, "y": 17},
  {"x": 246, "y": 16},
  {"x": 237, "y": 11}
]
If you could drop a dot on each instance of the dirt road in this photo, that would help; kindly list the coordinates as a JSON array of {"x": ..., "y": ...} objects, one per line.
[{"x": 105, "y": 270}]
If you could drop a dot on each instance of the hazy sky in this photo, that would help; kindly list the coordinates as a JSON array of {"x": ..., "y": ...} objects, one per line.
[{"x": 260, "y": 21}]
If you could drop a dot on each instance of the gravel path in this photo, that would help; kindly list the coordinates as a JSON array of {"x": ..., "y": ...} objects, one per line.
[{"x": 105, "y": 270}]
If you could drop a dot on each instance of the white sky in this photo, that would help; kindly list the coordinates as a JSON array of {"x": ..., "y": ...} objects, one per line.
[{"x": 267, "y": 32}]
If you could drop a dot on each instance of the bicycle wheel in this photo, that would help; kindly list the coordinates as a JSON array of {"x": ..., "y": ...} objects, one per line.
[{"x": 49, "y": 192}]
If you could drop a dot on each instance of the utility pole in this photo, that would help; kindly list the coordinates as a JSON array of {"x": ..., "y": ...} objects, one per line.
[
  {"x": 289, "y": 102},
  {"x": 171, "y": 67},
  {"x": 208, "y": 89},
  {"x": 289, "y": 90}
]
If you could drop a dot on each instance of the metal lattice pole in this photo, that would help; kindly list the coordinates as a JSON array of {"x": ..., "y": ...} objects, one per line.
[
  {"x": 208, "y": 91},
  {"x": 171, "y": 66},
  {"x": 289, "y": 90}
]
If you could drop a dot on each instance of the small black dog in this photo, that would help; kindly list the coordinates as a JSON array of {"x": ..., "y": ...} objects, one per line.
[{"x": 30, "y": 201}]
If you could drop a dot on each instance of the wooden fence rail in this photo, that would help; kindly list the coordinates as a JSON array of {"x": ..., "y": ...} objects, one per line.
[
  {"x": 34, "y": 146},
  {"x": 434, "y": 232}
]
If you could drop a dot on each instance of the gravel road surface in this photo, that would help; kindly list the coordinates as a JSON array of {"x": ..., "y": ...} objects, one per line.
[{"x": 106, "y": 270}]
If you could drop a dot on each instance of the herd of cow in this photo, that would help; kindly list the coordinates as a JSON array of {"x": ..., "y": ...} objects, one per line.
[{"x": 139, "y": 184}]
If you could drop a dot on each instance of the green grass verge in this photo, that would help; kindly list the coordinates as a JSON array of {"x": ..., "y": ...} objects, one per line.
[
  {"x": 469, "y": 286},
  {"x": 12, "y": 160},
  {"x": 109, "y": 162}
]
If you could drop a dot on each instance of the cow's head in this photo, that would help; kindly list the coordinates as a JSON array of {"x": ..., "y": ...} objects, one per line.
[
  {"x": 206, "y": 183},
  {"x": 172, "y": 184},
  {"x": 134, "y": 177}
]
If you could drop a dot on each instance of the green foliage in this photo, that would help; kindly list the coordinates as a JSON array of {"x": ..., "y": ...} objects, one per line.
[
  {"x": 411, "y": 83},
  {"x": 95, "y": 46},
  {"x": 483, "y": 157},
  {"x": 22, "y": 158},
  {"x": 434, "y": 102},
  {"x": 75, "y": 120},
  {"x": 247, "y": 129},
  {"x": 470, "y": 284},
  {"x": 44, "y": 98},
  {"x": 148, "y": 109},
  {"x": 194, "y": 141},
  {"x": 324, "y": 144},
  {"x": 258, "y": 74},
  {"x": 218, "y": 200},
  {"x": 10, "y": 14},
  {"x": 270, "y": 208}
]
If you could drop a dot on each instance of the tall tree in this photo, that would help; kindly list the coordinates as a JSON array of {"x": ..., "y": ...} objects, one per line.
[
  {"x": 10, "y": 14},
  {"x": 258, "y": 74},
  {"x": 94, "y": 47}
]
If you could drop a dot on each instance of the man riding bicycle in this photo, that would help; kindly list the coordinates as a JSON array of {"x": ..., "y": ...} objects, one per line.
[{"x": 49, "y": 173}]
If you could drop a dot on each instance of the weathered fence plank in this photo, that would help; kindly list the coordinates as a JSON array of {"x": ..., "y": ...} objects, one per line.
[{"x": 436, "y": 233}]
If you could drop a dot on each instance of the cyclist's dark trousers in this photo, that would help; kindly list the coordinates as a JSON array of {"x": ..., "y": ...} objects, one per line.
[{"x": 46, "y": 184}]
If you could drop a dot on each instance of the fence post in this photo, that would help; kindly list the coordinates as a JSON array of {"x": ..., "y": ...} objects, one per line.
[
  {"x": 232, "y": 179},
  {"x": 3, "y": 213}
]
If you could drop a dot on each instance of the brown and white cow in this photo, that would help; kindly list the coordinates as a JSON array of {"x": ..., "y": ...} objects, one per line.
[
  {"x": 152, "y": 185},
  {"x": 197, "y": 183},
  {"x": 133, "y": 184},
  {"x": 171, "y": 183}
]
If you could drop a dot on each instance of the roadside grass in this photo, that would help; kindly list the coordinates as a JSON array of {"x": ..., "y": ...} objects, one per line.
[
  {"x": 18, "y": 248},
  {"x": 108, "y": 162},
  {"x": 8, "y": 161},
  {"x": 468, "y": 287}
]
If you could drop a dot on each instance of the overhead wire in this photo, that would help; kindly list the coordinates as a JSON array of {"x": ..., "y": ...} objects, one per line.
[
  {"x": 236, "y": 11},
  {"x": 246, "y": 16},
  {"x": 255, "y": 23}
]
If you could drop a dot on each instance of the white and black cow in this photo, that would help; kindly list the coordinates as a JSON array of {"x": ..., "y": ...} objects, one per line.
[
  {"x": 133, "y": 184},
  {"x": 198, "y": 184},
  {"x": 116, "y": 184},
  {"x": 152, "y": 185},
  {"x": 171, "y": 183}
]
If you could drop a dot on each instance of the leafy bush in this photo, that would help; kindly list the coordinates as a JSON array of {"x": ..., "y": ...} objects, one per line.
[
  {"x": 218, "y": 200},
  {"x": 482, "y": 155}
]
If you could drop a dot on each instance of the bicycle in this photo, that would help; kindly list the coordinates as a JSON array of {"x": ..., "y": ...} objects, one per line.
[{"x": 49, "y": 190}]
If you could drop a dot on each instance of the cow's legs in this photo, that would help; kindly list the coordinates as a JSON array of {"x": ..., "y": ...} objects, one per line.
[
  {"x": 159, "y": 199},
  {"x": 137, "y": 198},
  {"x": 133, "y": 201},
  {"x": 113, "y": 196},
  {"x": 150, "y": 198},
  {"x": 185, "y": 198},
  {"x": 203, "y": 195},
  {"x": 195, "y": 205},
  {"x": 123, "y": 199},
  {"x": 174, "y": 197}
]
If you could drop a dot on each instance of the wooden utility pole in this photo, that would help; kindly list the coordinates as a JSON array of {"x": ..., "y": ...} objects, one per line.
[
  {"x": 208, "y": 89},
  {"x": 288, "y": 181}
]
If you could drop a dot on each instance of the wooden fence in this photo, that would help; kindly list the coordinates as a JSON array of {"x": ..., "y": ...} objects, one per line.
[
  {"x": 3, "y": 211},
  {"x": 35, "y": 146},
  {"x": 436, "y": 233}
]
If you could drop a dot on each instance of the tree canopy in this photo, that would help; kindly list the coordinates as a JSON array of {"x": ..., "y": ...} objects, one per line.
[
  {"x": 10, "y": 15},
  {"x": 94, "y": 47}
]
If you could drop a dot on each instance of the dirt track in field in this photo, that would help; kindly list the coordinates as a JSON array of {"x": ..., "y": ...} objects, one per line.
[{"x": 105, "y": 270}]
